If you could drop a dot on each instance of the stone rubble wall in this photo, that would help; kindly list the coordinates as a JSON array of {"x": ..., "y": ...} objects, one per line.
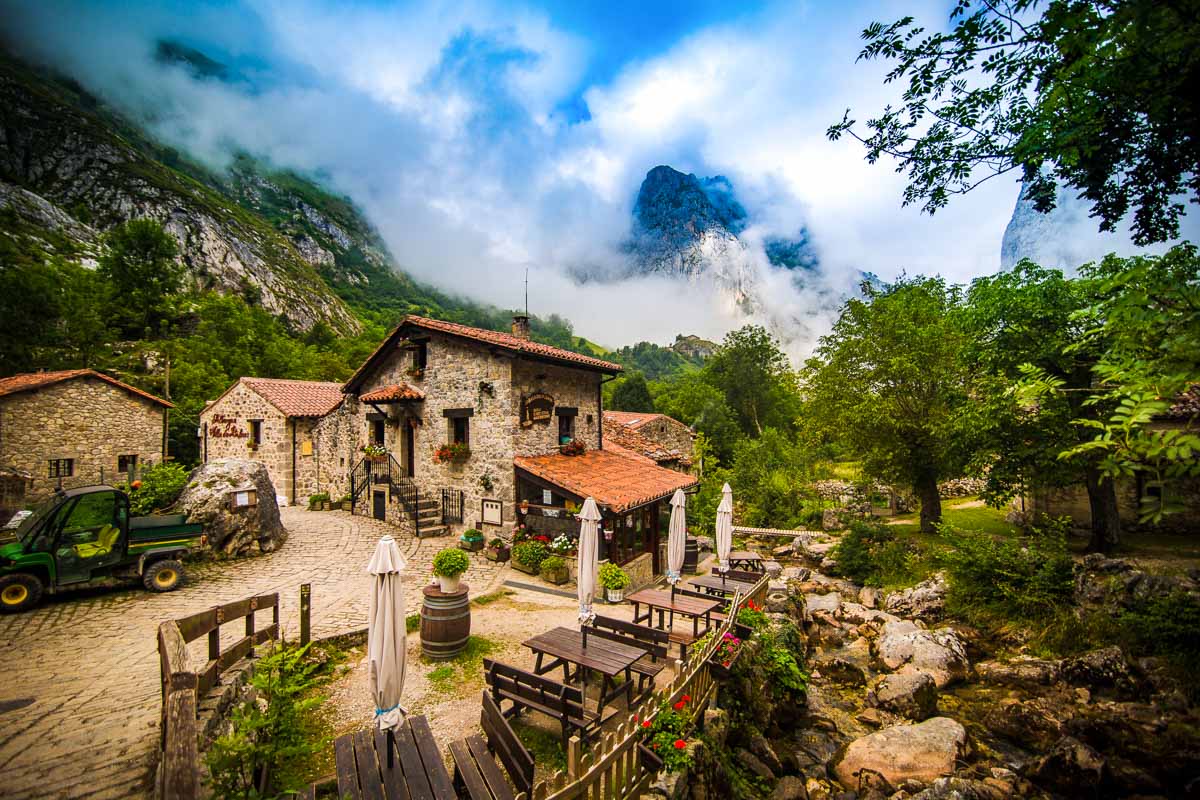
[
  {"x": 85, "y": 419},
  {"x": 240, "y": 405},
  {"x": 671, "y": 434}
]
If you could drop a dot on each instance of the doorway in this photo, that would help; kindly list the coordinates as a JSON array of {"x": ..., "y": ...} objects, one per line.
[
  {"x": 410, "y": 447},
  {"x": 377, "y": 431},
  {"x": 379, "y": 505}
]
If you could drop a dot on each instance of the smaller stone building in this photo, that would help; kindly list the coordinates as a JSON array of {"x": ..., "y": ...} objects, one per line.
[
  {"x": 77, "y": 427},
  {"x": 297, "y": 429},
  {"x": 671, "y": 442}
]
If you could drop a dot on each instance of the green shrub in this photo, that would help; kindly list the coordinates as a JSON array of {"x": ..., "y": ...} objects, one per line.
[
  {"x": 872, "y": 554},
  {"x": 158, "y": 488},
  {"x": 667, "y": 734},
  {"x": 450, "y": 563},
  {"x": 553, "y": 564},
  {"x": 613, "y": 577},
  {"x": 472, "y": 535},
  {"x": 316, "y": 500},
  {"x": 1029, "y": 578},
  {"x": 752, "y": 616},
  {"x": 530, "y": 554}
]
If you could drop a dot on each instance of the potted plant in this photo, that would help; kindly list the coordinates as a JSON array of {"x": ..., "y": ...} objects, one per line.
[
  {"x": 727, "y": 652},
  {"x": 554, "y": 569},
  {"x": 455, "y": 453},
  {"x": 375, "y": 453},
  {"x": 528, "y": 556},
  {"x": 471, "y": 540},
  {"x": 614, "y": 580},
  {"x": 524, "y": 506},
  {"x": 497, "y": 550},
  {"x": 318, "y": 501},
  {"x": 415, "y": 372},
  {"x": 448, "y": 566},
  {"x": 347, "y": 503},
  {"x": 575, "y": 447},
  {"x": 562, "y": 545}
]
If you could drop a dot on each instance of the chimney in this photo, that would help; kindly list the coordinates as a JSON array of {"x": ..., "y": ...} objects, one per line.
[{"x": 520, "y": 326}]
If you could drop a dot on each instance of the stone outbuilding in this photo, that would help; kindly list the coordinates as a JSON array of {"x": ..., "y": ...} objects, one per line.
[
  {"x": 294, "y": 428},
  {"x": 465, "y": 427},
  {"x": 674, "y": 441},
  {"x": 77, "y": 427}
]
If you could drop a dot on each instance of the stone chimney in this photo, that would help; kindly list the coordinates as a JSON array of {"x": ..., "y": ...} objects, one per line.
[{"x": 520, "y": 326}]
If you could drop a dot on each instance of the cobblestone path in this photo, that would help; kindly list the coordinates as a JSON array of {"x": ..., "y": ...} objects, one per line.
[{"x": 79, "y": 683}]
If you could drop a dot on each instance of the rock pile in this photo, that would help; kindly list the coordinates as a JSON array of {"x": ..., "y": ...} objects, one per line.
[{"x": 233, "y": 531}]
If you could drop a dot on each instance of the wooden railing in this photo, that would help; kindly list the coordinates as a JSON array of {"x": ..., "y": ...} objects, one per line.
[
  {"x": 182, "y": 686},
  {"x": 611, "y": 768}
]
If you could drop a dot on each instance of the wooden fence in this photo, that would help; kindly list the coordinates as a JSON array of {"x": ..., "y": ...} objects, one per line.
[
  {"x": 611, "y": 769},
  {"x": 182, "y": 687}
]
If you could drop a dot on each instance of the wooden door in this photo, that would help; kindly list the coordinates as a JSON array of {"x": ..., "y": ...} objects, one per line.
[
  {"x": 379, "y": 505},
  {"x": 410, "y": 447}
]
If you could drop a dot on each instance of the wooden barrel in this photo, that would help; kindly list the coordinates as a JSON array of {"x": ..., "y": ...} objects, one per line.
[
  {"x": 691, "y": 555},
  {"x": 445, "y": 622}
]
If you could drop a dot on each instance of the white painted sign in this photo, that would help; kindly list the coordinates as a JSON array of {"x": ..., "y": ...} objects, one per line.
[{"x": 493, "y": 512}]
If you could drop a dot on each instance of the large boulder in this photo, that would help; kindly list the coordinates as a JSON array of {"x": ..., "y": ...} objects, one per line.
[
  {"x": 923, "y": 752},
  {"x": 233, "y": 531},
  {"x": 1030, "y": 724},
  {"x": 941, "y": 653},
  {"x": 1071, "y": 767},
  {"x": 1103, "y": 583},
  {"x": 926, "y": 600},
  {"x": 1105, "y": 668},
  {"x": 1022, "y": 671},
  {"x": 910, "y": 694}
]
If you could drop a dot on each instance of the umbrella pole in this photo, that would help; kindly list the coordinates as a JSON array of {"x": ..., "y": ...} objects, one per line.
[{"x": 391, "y": 745}]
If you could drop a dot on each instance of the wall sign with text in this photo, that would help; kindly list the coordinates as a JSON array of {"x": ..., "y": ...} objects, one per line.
[
  {"x": 223, "y": 427},
  {"x": 536, "y": 409}
]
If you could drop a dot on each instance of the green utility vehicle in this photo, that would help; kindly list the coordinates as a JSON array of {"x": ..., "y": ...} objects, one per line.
[{"x": 85, "y": 537}]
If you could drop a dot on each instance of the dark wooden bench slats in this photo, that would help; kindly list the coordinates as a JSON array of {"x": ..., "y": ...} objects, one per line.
[
  {"x": 347, "y": 772},
  {"x": 467, "y": 777},
  {"x": 487, "y": 766},
  {"x": 369, "y": 782},
  {"x": 435, "y": 768},
  {"x": 410, "y": 761},
  {"x": 527, "y": 690},
  {"x": 393, "y": 778},
  {"x": 476, "y": 774},
  {"x": 517, "y": 760},
  {"x": 652, "y": 640},
  {"x": 417, "y": 771}
]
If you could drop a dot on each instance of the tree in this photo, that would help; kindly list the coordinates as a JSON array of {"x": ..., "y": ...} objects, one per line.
[
  {"x": 1028, "y": 319},
  {"x": 142, "y": 271},
  {"x": 888, "y": 381},
  {"x": 754, "y": 374},
  {"x": 1096, "y": 94},
  {"x": 702, "y": 407},
  {"x": 632, "y": 394}
]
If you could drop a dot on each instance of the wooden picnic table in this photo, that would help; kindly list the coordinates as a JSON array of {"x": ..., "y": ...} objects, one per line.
[
  {"x": 746, "y": 559},
  {"x": 417, "y": 769},
  {"x": 662, "y": 601},
  {"x": 714, "y": 584},
  {"x": 609, "y": 658}
]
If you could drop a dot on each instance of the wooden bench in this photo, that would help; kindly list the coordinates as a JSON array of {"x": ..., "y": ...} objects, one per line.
[
  {"x": 475, "y": 772},
  {"x": 652, "y": 640},
  {"x": 742, "y": 575},
  {"x": 417, "y": 769},
  {"x": 526, "y": 690},
  {"x": 717, "y": 616}
]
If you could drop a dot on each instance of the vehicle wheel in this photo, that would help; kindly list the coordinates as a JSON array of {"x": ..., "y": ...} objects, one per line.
[
  {"x": 19, "y": 592},
  {"x": 163, "y": 576}
]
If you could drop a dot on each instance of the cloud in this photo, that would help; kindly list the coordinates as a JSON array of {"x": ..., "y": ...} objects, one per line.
[{"x": 444, "y": 121}]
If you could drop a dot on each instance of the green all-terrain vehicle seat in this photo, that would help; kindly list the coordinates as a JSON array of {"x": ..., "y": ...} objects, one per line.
[{"x": 102, "y": 546}]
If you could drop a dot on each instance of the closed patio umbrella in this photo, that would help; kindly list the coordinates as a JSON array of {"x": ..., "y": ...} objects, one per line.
[
  {"x": 386, "y": 636},
  {"x": 589, "y": 530},
  {"x": 677, "y": 539},
  {"x": 724, "y": 529}
]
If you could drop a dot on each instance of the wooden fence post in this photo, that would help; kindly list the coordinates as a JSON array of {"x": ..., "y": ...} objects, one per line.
[
  {"x": 305, "y": 611},
  {"x": 574, "y": 754},
  {"x": 181, "y": 759}
]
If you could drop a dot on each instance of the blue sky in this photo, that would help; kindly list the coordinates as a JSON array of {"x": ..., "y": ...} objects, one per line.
[{"x": 484, "y": 137}]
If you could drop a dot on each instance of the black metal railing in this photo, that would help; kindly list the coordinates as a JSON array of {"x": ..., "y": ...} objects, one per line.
[
  {"x": 374, "y": 471},
  {"x": 452, "y": 506}
]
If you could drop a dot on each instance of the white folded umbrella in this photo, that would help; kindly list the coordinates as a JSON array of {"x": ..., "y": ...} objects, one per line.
[
  {"x": 677, "y": 538},
  {"x": 724, "y": 528},
  {"x": 589, "y": 534},
  {"x": 386, "y": 634}
]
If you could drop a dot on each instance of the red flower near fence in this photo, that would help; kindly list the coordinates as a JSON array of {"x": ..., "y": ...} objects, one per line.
[{"x": 680, "y": 744}]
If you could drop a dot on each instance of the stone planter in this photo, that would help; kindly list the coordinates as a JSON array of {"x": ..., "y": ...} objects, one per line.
[
  {"x": 557, "y": 577},
  {"x": 347, "y": 505},
  {"x": 470, "y": 545},
  {"x": 499, "y": 554},
  {"x": 523, "y": 568},
  {"x": 326, "y": 506}
]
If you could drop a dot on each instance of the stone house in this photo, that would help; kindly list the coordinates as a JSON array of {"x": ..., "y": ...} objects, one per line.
[
  {"x": 674, "y": 439},
  {"x": 76, "y": 427},
  {"x": 297, "y": 429},
  {"x": 478, "y": 428}
]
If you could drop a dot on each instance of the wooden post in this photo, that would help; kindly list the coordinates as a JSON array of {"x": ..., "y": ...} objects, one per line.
[
  {"x": 305, "y": 611},
  {"x": 574, "y": 755},
  {"x": 250, "y": 631},
  {"x": 181, "y": 761},
  {"x": 214, "y": 647}
]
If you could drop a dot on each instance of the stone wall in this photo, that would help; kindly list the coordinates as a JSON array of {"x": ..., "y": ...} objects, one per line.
[
  {"x": 84, "y": 419},
  {"x": 670, "y": 433},
  {"x": 641, "y": 572},
  {"x": 1073, "y": 502},
  {"x": 571, "y": 388},
  {"x": 317, "y": 443}
]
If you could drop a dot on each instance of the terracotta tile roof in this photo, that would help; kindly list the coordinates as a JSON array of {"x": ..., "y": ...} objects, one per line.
[
  {"x": 29, "y": 381},
  {"x": 298, "y": 398},
  {"x": 629, "y": 439},
  {"x": 393, "y": 394},
  {"x": 505, "y": 341},
  {"x": 616, "y": 482},
  {"x": 621, "y": 451},
  {"x": 632, "y": 419}
]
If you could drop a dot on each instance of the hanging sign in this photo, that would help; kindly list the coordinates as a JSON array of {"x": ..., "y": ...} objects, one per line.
[{"x": 537, "y": 409}]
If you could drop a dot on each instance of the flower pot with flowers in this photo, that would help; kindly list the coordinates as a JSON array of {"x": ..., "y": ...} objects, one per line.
[
  {"x": 455, "y": 453},
  {"x": 497, "y": 550},
  {"x": 528, "y": 556},
  {"x": 563, "y": 545},
  {"x": 665, "y": 745},
  {"x": 448, "y": 566},
  {"x": 614, "y": 580},
  {"x": 575, "y": 447},
  {"x": 471, "y": 540},
  {"x": 375, "y": 453},
  {"x": 554, "y": 569},
  {"x": 726, "y": 655}
]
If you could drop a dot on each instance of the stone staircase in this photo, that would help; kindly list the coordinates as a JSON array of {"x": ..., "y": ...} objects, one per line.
[{"x": 429, "y": 518}]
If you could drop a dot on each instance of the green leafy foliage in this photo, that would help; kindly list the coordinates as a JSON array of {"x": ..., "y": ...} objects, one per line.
[
  {"x": 873, "y": 554},
  {"x": 158, "y": 487},
  {"x": 753, "y": 373},
  {"x": 140, "y": 269},
  {"x": 666, "y": 734},
  {"x": 530, "y": 554},
  {"x": 773, "y": 472},
  {"x": 1091, "y": 94},
  {"x": 632, "y": 394},
  {"x": 316, "y": 501},
  {"x": 450, "y": 563},
  {"x": 552, "y": 564},
  {"x": 613, "y": 577}
]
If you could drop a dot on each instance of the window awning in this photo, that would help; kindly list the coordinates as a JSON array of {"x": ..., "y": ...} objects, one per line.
[{"x": 616, "y": 482}]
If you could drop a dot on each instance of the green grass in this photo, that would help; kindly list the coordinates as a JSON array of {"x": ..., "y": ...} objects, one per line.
[
  {"x": 487, "y": 599},
  {"x": 984, "y": 519},
  {"x": 545, "y": 746},
  {"x": 465, "y": 669},
  {"x": 845, "y": 470},
  {"x": 412, "y": 623}
]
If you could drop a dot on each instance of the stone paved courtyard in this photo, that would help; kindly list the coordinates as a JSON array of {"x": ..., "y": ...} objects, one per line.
[{"x": 79, "y": 682}]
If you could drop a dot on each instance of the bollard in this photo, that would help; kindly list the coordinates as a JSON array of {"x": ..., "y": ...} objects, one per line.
[{"x": 305, "y": 610}]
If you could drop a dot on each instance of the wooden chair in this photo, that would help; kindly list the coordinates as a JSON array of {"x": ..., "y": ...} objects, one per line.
[
  {"x": 475, "y": 772},
  {"x": 526, "y": 690},
  {"x": 652, "y": 640}
]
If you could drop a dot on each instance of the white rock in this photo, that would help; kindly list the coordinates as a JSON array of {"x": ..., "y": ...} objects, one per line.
[
  {"x": 923, "y": 752},
  {"x": 940, "y": 652}
]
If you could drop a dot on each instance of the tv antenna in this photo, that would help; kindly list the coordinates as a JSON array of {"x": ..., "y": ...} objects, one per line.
[{"x": 527, "y": 291}]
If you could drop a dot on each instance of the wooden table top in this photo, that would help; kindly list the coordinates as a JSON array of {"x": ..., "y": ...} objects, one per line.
[
  {"x": 682, "y": 604},
  {"x": 744, "y": 555},
  {"x": 716, "y": 582},
  {"x": 605, "y": 656}
]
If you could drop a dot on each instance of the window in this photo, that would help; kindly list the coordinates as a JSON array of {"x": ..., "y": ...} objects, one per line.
[
  {"x": 377, "y": 431},
  {"x": 256, "y": 432},
  {"x": 126, "y": 464},
  {"x": 460, "y": 430},
  {"x": 566, "y": 429},
  {"x": 62, "y": 467}
]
